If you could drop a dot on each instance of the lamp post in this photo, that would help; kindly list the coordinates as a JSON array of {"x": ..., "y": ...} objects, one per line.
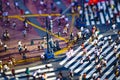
[
  {"x": 47, "y": 36},
  {"x": 48, "y": 53}
]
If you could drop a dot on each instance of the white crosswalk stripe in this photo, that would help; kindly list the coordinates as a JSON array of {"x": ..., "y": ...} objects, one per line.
[
  {"x": 101, "y": 15},
  {"x": 89, "y": 68},
  {"x": 104, "y": 16},
  {"x": 43, "y": 69},
  {"x": 80, "y": 53},
  {"x": 111, "y": 77},
  {"x": 87, "y": 18},
  {"x": 66, "y": 59},
  {"x": 103, "y": 77},
  {"x": 109, "y": 55},
  {"x": 108, "y": 64}
]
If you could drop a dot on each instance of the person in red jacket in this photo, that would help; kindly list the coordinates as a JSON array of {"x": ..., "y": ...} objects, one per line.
[{"x": 13, "y": 72}]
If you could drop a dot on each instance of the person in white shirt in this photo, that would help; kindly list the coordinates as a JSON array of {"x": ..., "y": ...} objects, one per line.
[
  {"x": 5, "y": 67},
  {"x": 8, "y": 5},
  {"x": 79, "y": 35},
  {"x": 36, "y": 72},
  {"x": 81, "y": 61},
  {"x": 69, "y": 53},
  {"x": 19, "y": 43},
  {"x": 82, "y": 28},
  {"x": 1, "y": 43},
  {"x": 114, "y": 26},
  {"x": 16, "y": 5}
]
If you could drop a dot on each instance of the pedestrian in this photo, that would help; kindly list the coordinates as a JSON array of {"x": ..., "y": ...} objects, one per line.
[
  {"x": 42, "y": 45},
  {"x": 20, "y": 48},
  {"x": 19, "y": 43},
  {"x": 21, "y": 11},
  {"x": 57, "y": 45},
  {"x": 27, "y": 71},
  {"x": 24, "y": 33},
  {"x": 8, "y": 5},
  {"x": 39, "y": 45},
  {"x": 16, "y": 5},
  {"x": 25, "y": 48},
  {"x": 82, "y": 45},
  {"x": 26, "y": 25},
  {"x": 65, "y": 29},
  {"x": 81, "y": 61},
  {"x": 80, "y": 77},
  {"x": 110, "y": 40},
  {"x": 88, "y": 58},
  {"x": 13, "y": 60},
  {"x": 84, "y": 76},
  {"x": 13, "y": 72},
  {"x": 44, "y": 76},
  {"x": 5, "y": 67},
  {"x": 47, "y": 66},
  {"x": 42, "y": 56},
  {"x": 24, "y": 56},
  {"x": 37, "y": 72},
  {"x": 1, "y": 66},
  {"x": 60, "y": 74},
  {"x": 1, "y": 18},
  {"x": 6, "y": 35},
  {"x": 94, "y": 76},
  {"x": 114, "y": 26},
  {"x": 71, "y": 75},
  {"x": 14, "y": 25},
  {"x": 5, "y": 47},
  {"x": 10, "y": 63},
  {"x": 71, "y": 36},
  {"x": 79, "y": 35}
]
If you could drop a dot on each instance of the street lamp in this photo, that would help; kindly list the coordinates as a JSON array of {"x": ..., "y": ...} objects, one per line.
[{"x": 48, "y": 52}]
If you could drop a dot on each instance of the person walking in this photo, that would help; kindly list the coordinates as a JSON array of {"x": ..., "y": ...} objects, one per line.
[
  {"x": 27, "y": 71},
  {"x": 5, "y": 47},
  {"x": 24, "y": 33},
  {"x": 14, "y": 25},
  {"x": 13, "y": 72}
]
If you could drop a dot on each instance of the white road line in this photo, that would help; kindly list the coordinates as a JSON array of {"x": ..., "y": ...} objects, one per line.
[
  {"x": 78, "y": 62},
  {"x": 74, "y": 52},
  {"x": 93, "y": 62},
  {"x": 111, "y": 77},
  {"x": 76, "y": 57},
  {"x": 31, "y": 68},
  {"x": 109, "y": 62},
  {"x": 106, "y": 14},
  {"x": 101, "y": 15},
  {"x": 108, "y": 72},
  {"x": 91, "y": 14},
  {"x": 87, "y": 18},
  {"x": 79, "y": 68},
  {"x": 110, "y": 12},
  {"x": 88, "y": 67}
]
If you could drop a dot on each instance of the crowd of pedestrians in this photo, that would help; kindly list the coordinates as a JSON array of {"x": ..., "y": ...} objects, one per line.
[{"x": 63, "y": 30}]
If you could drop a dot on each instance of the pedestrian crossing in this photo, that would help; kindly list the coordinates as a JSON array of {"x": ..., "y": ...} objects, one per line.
[
  {"x": 73, "y": 63},
  {"x": 20, "y": 73},
  {"x": 102, "y": 13}
]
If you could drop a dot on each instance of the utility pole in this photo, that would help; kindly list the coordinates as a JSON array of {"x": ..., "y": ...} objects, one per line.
[
  {"x": 47, "y": 36},
  {"x": 48, "y": 53}
]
